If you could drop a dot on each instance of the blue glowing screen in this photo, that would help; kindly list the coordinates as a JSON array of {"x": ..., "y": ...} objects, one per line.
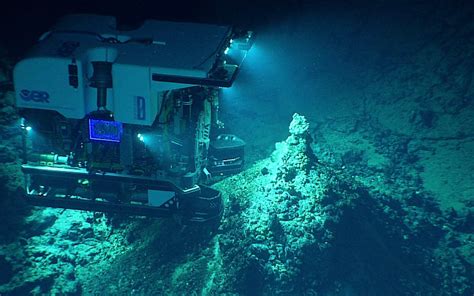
[{"x": 104, "y": 130}]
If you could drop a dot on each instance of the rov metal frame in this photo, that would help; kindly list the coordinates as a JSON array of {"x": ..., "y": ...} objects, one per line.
[{"x": 195, "y": 204}]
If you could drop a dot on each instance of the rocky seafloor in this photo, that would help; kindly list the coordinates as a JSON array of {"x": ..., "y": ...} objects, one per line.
[
  {"x": 374, "y": 198},
  {"x": 297, "y": 223}
]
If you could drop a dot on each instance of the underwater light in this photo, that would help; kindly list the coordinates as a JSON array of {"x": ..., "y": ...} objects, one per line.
[
  {"x": 141, "y": 137},
  {"x": 226, "y": 51},
  {"x": 24, "y": 125}
]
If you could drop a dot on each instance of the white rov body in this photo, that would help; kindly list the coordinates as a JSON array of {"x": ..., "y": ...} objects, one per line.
[
  {"x": 138, "y": 130},
  {"x": 56, "y": 73}
]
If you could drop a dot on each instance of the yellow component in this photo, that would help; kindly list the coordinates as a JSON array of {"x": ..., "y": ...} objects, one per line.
[{"x": 47, "y": 158}]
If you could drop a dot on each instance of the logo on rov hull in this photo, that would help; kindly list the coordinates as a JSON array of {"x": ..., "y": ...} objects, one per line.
[{"x": 36, "y": 96}]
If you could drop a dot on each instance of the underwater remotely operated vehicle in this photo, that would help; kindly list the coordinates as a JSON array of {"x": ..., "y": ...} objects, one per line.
[{"x": 127, "y": 121}]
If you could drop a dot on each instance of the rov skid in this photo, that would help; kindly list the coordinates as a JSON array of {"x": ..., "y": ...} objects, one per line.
[{"x": 126, "y": 119}]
